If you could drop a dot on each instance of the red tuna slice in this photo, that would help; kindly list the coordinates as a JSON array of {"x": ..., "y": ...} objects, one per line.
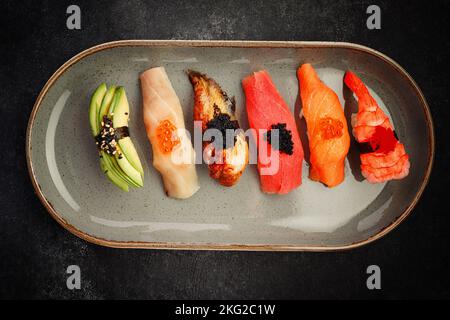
[{"x": 266, "y": 107}]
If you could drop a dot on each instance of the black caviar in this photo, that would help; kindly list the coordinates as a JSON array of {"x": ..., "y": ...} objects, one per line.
[
  {"x": 285, "y": 145},
  {"x": 223, "y": 122}
]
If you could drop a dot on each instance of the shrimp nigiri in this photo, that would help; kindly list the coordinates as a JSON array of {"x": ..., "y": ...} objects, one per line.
[{"x": 386, "y": 158}]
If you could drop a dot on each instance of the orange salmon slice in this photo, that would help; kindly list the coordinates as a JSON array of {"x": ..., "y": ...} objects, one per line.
[{"x": 329, "y": 140}]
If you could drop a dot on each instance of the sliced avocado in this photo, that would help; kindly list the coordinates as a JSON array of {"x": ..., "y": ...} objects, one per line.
[
  {"x": 102, "y": 97},
  {"x": 112, "y": 176},
  {"x": 114, "y": 102},
  {"x": 119, "y": 169},
  {"x": 120, "y": 118},
  {"x": 94, "y": 108},
  {"x": 112, "y": 162},
  {"x": 106, "y": 158},
  {"x": 106, "y": 103},
  {"x": 121, "y": 109},
  {"x": 131, "y": 154},
  {"x": 128, "y": 169}
]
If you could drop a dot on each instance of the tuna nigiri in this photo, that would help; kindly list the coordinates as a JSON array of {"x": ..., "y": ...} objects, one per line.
[
  {"x": 329, "y": 140},
  {"x": 214, "y": 110},
  {"x": 279, "y": 164},
  {"x": 173, "y": 154},
  {"x": 386, "y": 158}
]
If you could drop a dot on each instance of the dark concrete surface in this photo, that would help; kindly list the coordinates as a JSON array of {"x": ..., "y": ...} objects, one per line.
[{"x": 35, "y": 251}]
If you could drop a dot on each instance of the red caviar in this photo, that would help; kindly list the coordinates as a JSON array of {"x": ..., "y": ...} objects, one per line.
[
  {"x": 330, "y": 128},
  {"x": 167, "y": 137}
]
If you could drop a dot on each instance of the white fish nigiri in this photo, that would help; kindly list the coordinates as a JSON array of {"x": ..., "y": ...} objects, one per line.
[{"x": 173, "y": 154}]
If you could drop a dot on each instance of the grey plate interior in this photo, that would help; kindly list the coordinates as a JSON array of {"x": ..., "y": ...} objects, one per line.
[{"x": 67, "y": 171}]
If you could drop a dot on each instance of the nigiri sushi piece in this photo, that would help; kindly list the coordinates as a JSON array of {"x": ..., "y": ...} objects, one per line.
[
  {"x": 173, "y": 154},
  {"x": 215, "y": 110},
  {"x": 329, "y": 140},
  {"x": 383, "y": 157},
  {"x": 279, "y": 164}
]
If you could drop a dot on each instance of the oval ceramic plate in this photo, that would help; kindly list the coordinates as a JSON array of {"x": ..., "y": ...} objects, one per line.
[{"x": 65, "y": 172}]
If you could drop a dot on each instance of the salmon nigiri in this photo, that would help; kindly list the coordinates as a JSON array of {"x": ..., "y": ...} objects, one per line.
[
  {"x": 173, "y": 154},
  {"x": 329, "y": 140},
  {"x": 279, "y": 164},
  {"x": 386, "y": 158}
]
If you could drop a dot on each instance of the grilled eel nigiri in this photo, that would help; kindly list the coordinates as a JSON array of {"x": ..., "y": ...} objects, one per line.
[{"x": 215, "y": 110}]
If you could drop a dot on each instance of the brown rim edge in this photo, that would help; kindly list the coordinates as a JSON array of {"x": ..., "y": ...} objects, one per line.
[{"x": 242, "y": 44}]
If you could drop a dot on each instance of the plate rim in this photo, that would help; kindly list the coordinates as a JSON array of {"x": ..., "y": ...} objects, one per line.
[{"x": 238, "y": 44}]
